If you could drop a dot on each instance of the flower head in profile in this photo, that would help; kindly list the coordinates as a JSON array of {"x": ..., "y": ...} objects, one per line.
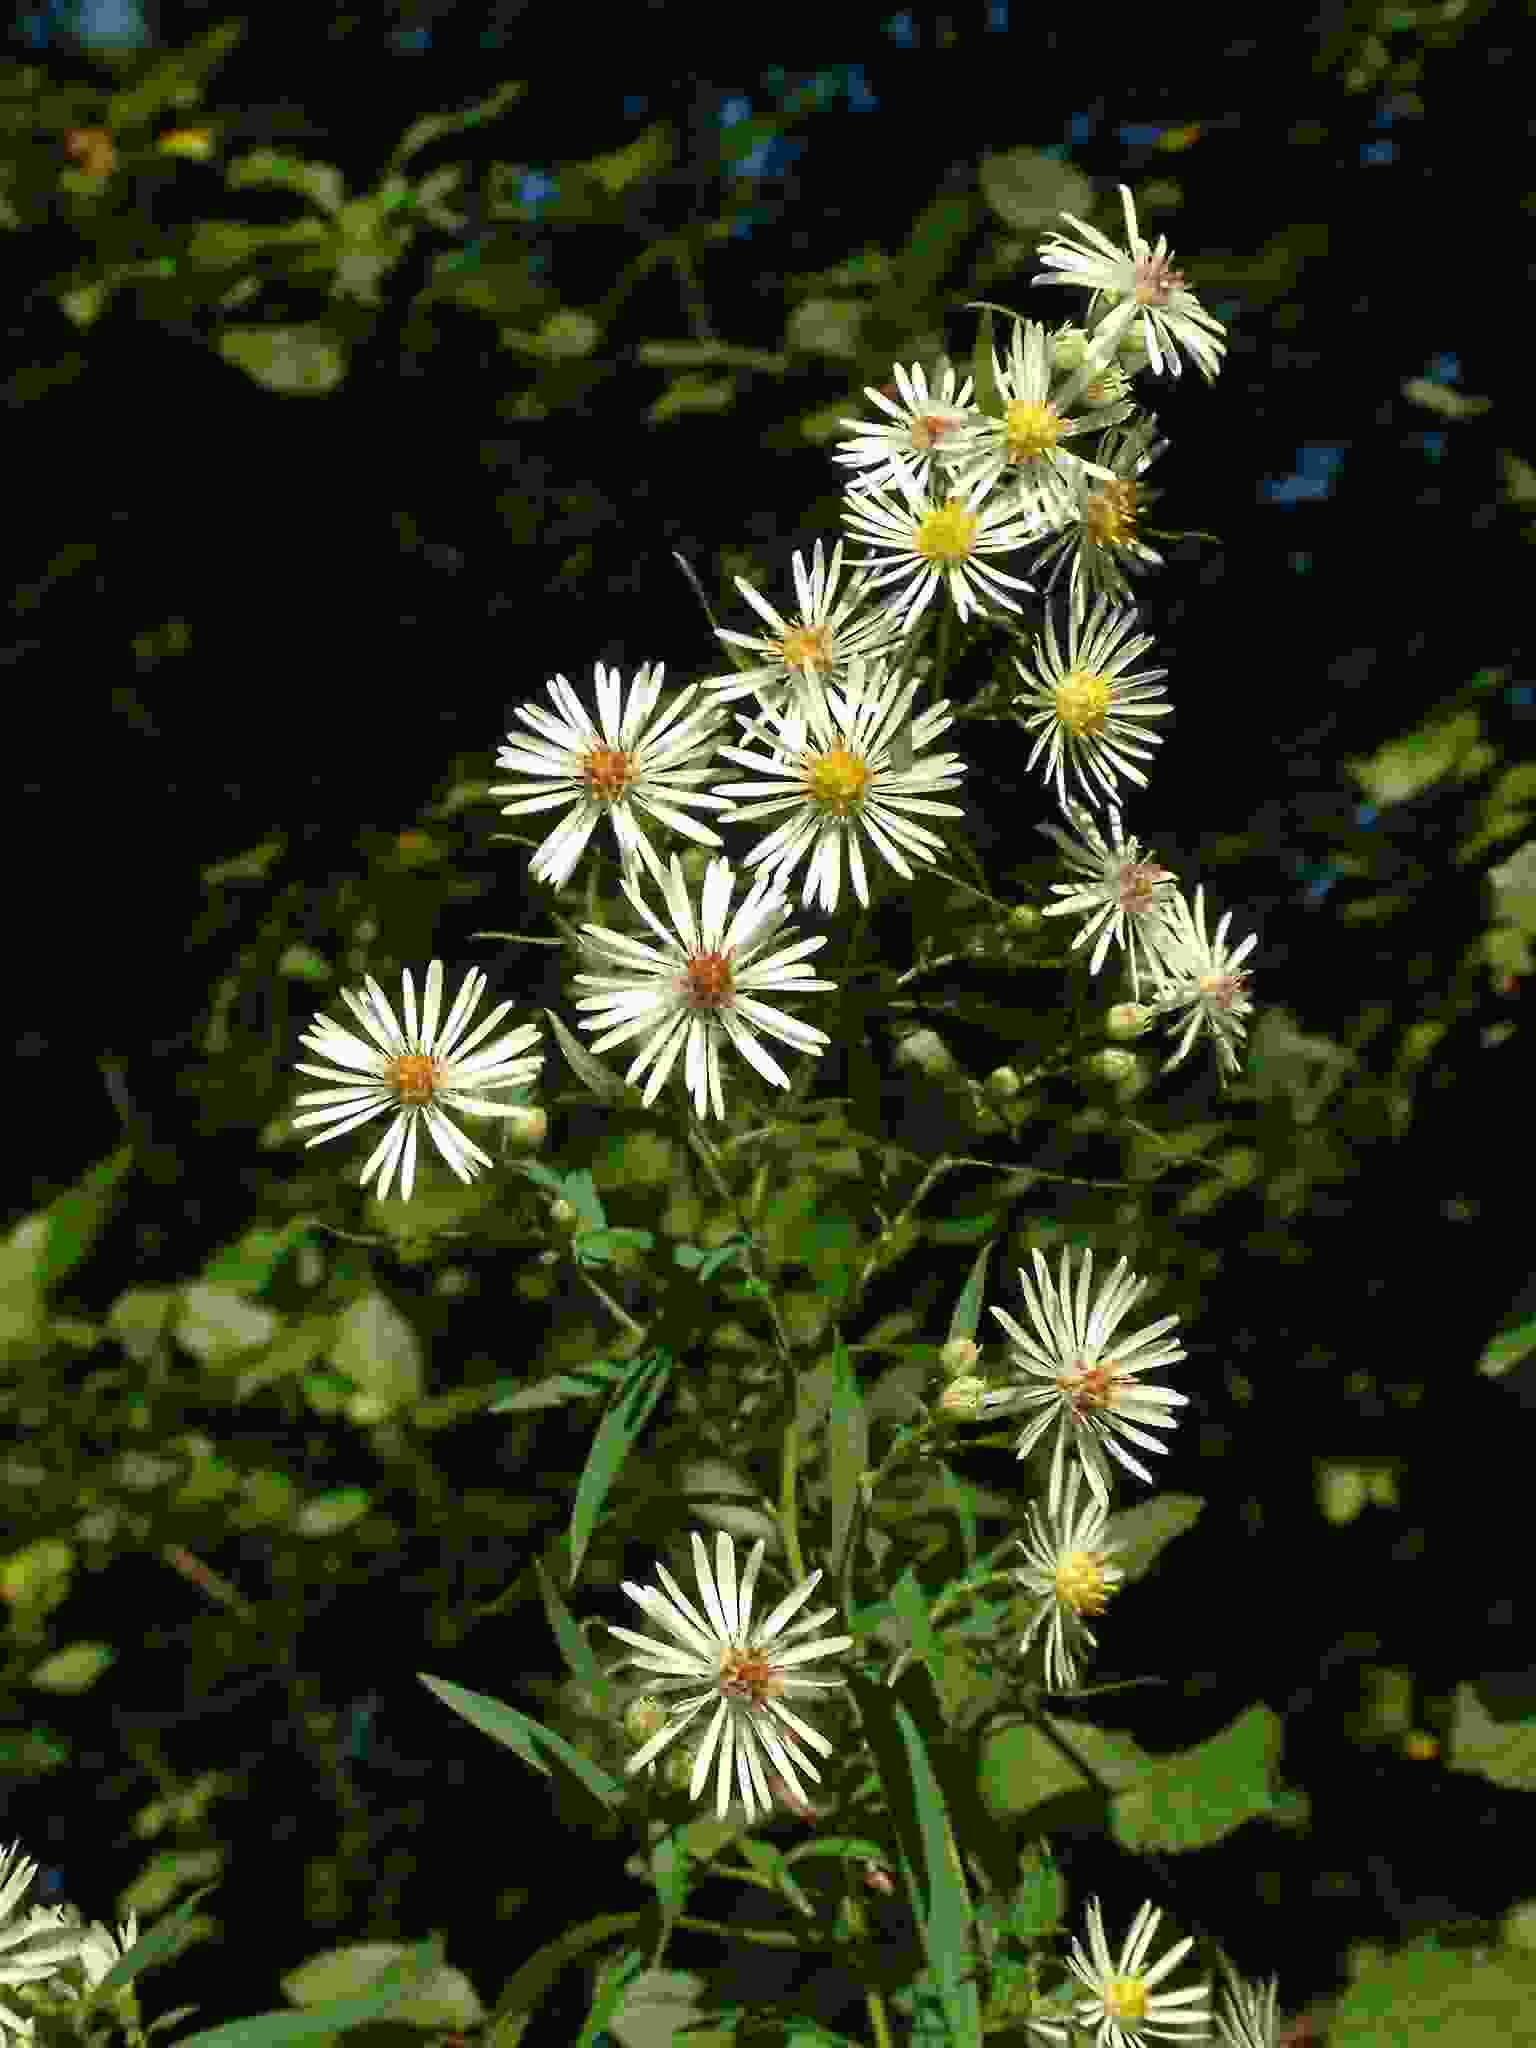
[
  {"x": 36, "y": 1942},
  {"x": 1025, "y": 447},
  {"x": 1083, "y": 1379},
  {"x": 1248, "y": 2017},
  {"x": 631, "y": 764},
  {"x": 414, "y": 1074},
  {"x": 1099, "y": 532},
  {"x": 1124, "y": 2006},
  {"x": 1091, "y": 711},
  {"x": 1204, "y": 977},
  {"x": 1118, "y": 891},
  {"x": 1139, "y": 285},
  {"x": 699, "y": 985},
  {"x": 917, "y": 434},
  {"x": 1067, "y": 1570},
  {"x": 930, "y": 543},
  {"x": 801, "y": 655},
  {"x": 833, "y": 766},
  {"x": 746, "y": 1673}
]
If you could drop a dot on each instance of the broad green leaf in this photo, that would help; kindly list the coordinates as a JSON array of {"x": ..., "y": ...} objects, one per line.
[
  {"x": 524, "y": 1736},
  {"x": 1023, "y": 1770},
  {"x": 276, "y": 2029},
  {"x": 596, "y": 1247},
  {"x": 1142, "y": 1532},
  {"x": 656, "y": 2008},
  {"x": 250, "y": 1264},
  {"x": 1472, "y": 1997},
  {"x": 165, "y": 1940},
  {"x": 1201, "y": 1795},
  {"x": 295, "y": 362},
  {"x": 45, "y": 1247},
  {"x": 378, "y": 1350},
  {"x": 580, "y": 1658},
  {"x": 944, "y": 1910},
  {"x": 220, "y": 1327},
  {"x": 1440, "y": 747},
  {"x": 443, "y": 1999},
  {"x": 847, "y": 1446},
  {"x": 1503, "y": 1750},
  {"x": 36, "y": 1579},
  {"x": 615, "y": 1980},
  {"x": 329, "y": 1513},
  {"x": 968, "y": 1308},
  {"x": 74, "y": 1669},
  {"x": 1030, "y": 190},
  {"x": 617, "y": 1434}
]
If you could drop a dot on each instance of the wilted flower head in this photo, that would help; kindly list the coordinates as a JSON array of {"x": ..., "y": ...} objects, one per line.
[
  {"x": 922, "y": 430},
  {"x": 1119, "y": 890}
]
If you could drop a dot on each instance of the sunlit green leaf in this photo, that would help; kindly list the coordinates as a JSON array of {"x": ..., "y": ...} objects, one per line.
[
  {"x": 617, "y": 1434},
  {"x": 335, "y": 2016}
]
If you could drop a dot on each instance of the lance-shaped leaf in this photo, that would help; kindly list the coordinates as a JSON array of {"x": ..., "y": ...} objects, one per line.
[
  {"x": 968, "y": 1308},
  {"x": 604, "y": 1083},
  {"x": 524, "y": 1736},
  {"x": 617, "y": 1434},
  {"x": 277, "y": 2029},
  {"x": 944, "y": 1910},
  {"x": 847, "y": 1446},
  {"x": 578, "y": 1653},
  {"x": 166, "y": 1939}
]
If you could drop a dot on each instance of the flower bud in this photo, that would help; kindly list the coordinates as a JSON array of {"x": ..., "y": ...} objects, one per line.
[
  {"x": 644, "y": 1717},
  {"x": 525, "y": 1129},
  {"x": 677, "y": 1766},
  {"x": 1003, "y": 1084},
  {"x": 563, "y": 1215},
  {"x": 1127, "y": 1020},
  {"x": 958, "y": 1356},
  {"x": 926, "y": 1051},
  {"x": 961, "y": 1400},
  {"x": 1119, "y": 1070},
  {"x": 1025, "y": 918}
]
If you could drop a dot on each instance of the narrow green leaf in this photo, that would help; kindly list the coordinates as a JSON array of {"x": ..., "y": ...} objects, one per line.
[
  {"x": 166, "y": 1939},
  {"x": 617, "y": 1434},
  {"x": 67, "y": 1228},
  {"x": 533, "y": 1979},
  {"x": 276, "y": 2029},
  {"x": 580, "y": 1658},
  {"x": 847, "y": 1445},
  {"x": 946, "y": 1915},
  {"x": 523, "y": 1736},
  {"x": 580, "y": 1384},
  {"x": 1504, "y": 1351},
  {"x": 911, "y": 1604},
  {"x": 968, "y": 1308},
  {"x": 615, "y": 1981},
  {"x": 604, "y": 1083}
]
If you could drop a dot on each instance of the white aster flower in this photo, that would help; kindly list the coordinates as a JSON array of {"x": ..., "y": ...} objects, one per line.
[
  {"x": 414, "y": 1074},
  {"x": 1120, "y": 892},
  {"x": 1139, "y": 285},
  {"x": 1090, "y": 713},
  {"x": 834, "y": 767},
  {"x": 695, "y": 988},
  {"x": 1067, "y": 1570},
  {"x": 917, "y": 434},
  {"x": 928, "y": 542},
  {"x": 635, "y": 763},
  {"x": 1203, "y": 977},
  {"x": 1084, "y": 1381},
  {"x": 1249, "y": 2018},
  {"x": 36, "y": 1942},
  {"x": 1024, "y": 447},
  {"x": 744, "y": 1672},
  {"x": 1124, "y": 2006},
  {"x": 800, "y": 656},
  {"x": 1098, "y": 533}
]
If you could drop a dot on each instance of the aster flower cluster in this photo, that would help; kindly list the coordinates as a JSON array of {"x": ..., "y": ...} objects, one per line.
[
  {"x": 834, "y": 755},
  {"x": 47, "y": 1949}
]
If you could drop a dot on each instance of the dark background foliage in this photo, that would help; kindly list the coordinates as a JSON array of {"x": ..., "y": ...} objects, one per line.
[{"x": 366, "y": 583}]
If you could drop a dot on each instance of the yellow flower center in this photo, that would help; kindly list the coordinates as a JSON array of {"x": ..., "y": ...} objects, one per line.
[
  {"x": 1091, "y": 1386},
  {"x": 836, "y": 780},
  {"x": 748, "y": 1675},
  {"x": 1125, "y": 1999},
  {"x": 707, "y": 982},
  {"x": 807, "y": 647},
  {"x": 1110, "y": 515},
  {"x": 1030, "y": 429},
  {"x": 1080, "y": 1581},
  {"x": 608, "y": 773},
  {"x": 947, "y": 533},
  {"x": 1082, "y": 701},
  {"x": 413, "y": 1076}
]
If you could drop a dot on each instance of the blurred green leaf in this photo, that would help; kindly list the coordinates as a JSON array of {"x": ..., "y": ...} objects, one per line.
[
  {"x": 1201, "y": 1795},
  {"x": 74, "y": 1669},
  {"x": 443, "y": 1998},
  {"x": 378, "y": 1350},
  {"x": 1502, "y": 1751},
  {"x": 335, "y": 2016},
  {"x": 847, "y": 1446},
  {"x": 1141, "y": 1533},
  {"x": 1030, "y": 190},
  {"x": 172, "y": 82},
  {"x": 1472, "y": 1997},
  {"x": 329, "y": 1513},
  {"x": 295, "y": 362},
  {"x": 160, "y": 1944}
]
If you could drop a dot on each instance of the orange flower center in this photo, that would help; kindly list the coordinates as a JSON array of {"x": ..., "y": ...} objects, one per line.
[
  {"x": 747, "y": 1675},
  {"x": 707, "y": 982},
  {"x": 807, "y": 647},
  {"x": 1091, "y": 1386},
  {"x": 608, "y": 773},
  {"x": 413, "y": 1076}
]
